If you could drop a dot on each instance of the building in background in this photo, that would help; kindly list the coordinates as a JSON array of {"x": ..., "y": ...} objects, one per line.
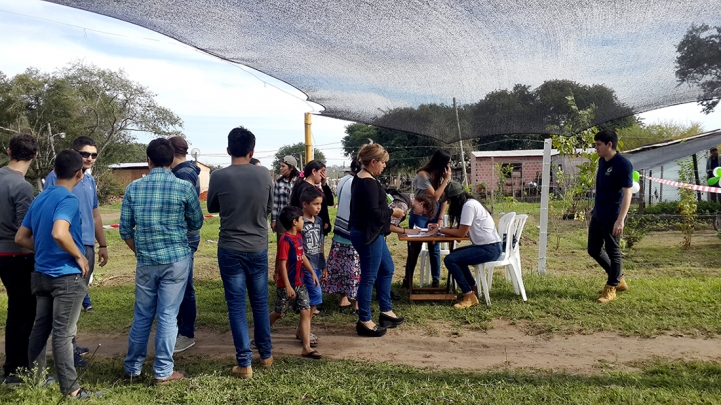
[{"x": 125, "y": 173}]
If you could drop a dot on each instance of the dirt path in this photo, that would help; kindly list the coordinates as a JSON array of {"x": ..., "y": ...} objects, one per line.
[{"x": 504, "y": 346}]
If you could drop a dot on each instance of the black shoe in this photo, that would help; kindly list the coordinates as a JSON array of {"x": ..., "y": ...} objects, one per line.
[
  {"x": 81, "y": 351},
  {"x": 435, "y": 284},
  {"x": 79, "y": 362},
  {"x": 12, "y": 380},
  {"x": 389, "y": 321},
  {"x": 405, "y": 284},
  {"x": 395, "y": 297},
  {"x": 363, "y": 330}
]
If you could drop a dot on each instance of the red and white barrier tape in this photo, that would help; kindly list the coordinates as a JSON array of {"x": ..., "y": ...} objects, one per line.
[
  {"x": 710, "y": 189},
  {"x": 116, "y": 226}
]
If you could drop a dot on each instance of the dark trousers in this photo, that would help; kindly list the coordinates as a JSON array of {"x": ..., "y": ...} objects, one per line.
[
  {"x": 15, "y": 273},
  {"x": 59, "y": 300},
  {"x": 188, "y": 311},
  {"x": 605, "y": 248},
  {"x": 90, "y": 255}
]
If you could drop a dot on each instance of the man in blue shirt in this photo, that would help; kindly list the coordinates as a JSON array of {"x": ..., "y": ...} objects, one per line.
[
  {"x": 52, "y": 228},
  {"x": 87, "y": 194},
  {"x": 614, "y": 180},
  {"x": 158, "y": 211}
]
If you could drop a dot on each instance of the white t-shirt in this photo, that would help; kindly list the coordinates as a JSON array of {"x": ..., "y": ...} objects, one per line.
[{"x": 483, "y": 229}]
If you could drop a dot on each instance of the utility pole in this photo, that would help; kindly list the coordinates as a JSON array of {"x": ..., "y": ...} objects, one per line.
[
  {"x": 460, "y": 141},
  {"x": 308, "y": 140}
]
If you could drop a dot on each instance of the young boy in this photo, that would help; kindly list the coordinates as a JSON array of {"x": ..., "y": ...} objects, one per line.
[
  {"x": 289, "y": 282},
  {"x": 313, "y": 240}
]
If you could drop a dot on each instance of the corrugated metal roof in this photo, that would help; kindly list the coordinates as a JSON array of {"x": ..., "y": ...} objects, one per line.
[{"x": 655, "y": 155}]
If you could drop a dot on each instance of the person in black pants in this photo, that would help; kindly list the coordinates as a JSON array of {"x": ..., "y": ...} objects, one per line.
[
  {"x": 613, "y": 198},
  {"x": 711, "y": 164},
  {"x": 16, "y": 263}
]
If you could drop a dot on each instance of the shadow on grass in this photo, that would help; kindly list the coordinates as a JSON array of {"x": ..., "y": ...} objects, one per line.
[{"x": 293, "y": 380}]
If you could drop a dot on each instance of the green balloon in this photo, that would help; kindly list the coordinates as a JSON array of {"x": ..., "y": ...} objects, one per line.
[
  {"x": 636, "y": 176},
  {"x": 713, "y": 181}
]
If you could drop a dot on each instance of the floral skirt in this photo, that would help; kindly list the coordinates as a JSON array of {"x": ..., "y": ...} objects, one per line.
[{"x": 343, "y": 271}]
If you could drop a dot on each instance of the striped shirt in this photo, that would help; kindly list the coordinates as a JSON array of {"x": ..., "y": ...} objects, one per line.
[
  {"x": 281, "y": 196},
  {"x": 157, "y": 212}
]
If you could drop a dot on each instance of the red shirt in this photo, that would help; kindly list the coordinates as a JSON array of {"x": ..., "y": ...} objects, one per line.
[{"x": 294, "y": 262}]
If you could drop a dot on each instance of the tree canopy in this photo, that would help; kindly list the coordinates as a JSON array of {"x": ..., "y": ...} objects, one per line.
[
  {"x": 297, "y": 150},
  {"x": 699, "y": 63},
  {"x": 81, "y": 99}
]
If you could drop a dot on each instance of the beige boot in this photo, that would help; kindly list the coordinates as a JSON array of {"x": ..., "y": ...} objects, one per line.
[
  {"x": 607, "y": 295},
  {"x": 266, "y": 363},
  {"x": 243, "y": 372},
  {"x": 468, "y": 301},
  {"x": 622, "y": 286}
]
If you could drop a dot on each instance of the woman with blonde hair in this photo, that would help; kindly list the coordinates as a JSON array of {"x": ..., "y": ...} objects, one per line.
[{"x": 370, "y": 220}]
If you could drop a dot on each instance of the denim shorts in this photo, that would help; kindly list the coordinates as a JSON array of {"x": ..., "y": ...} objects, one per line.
[
  {"x": 299, "y": 303},
  {"x": 315, "y": 293}
]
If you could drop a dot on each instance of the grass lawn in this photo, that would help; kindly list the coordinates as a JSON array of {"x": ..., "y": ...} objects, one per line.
[{"x": 673, "y": 291}]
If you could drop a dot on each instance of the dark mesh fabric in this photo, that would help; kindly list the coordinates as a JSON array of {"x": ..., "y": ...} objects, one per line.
[{"x": 399, "y": 64}]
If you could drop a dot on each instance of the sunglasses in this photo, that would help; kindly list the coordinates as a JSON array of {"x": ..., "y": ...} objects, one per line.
[{"x": 86, "y": 155}]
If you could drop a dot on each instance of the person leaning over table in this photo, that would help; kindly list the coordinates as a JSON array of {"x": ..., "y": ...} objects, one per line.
[
  {"x": 431, "y": 179},
  {"x": 470, "y": 218},
  {"x": 369, "y": 224}
]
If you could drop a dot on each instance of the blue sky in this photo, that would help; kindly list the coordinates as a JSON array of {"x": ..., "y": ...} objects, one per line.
[{"x": 210, "y": 95}]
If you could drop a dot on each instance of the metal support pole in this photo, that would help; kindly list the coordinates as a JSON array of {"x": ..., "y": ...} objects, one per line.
[
  {"x": 308, "y": 140},
  {"x": 545, "y": 179},
  {"x": 460, "y": 141}
]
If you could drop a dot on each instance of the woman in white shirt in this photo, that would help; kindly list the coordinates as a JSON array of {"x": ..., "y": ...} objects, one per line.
[{"x": 473, "y": 219}]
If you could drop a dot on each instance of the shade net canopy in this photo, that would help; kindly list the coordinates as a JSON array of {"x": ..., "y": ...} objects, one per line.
[{"x": 399, "y": 64}]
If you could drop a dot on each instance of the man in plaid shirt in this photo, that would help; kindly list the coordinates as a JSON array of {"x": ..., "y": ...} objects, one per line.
[{"x": 157, "y": 212}]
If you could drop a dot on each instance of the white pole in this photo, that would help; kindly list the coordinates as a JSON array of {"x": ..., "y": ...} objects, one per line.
[
  {"x": 545, "y": 179},
  {"x": 460, "y": 141}
]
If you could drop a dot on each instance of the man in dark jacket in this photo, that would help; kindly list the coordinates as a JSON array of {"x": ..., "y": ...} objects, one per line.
[{"x": 188, "y": 171}]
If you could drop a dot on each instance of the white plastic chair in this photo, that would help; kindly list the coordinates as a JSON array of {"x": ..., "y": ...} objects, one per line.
[
  {"x": 510, "y": 258},
  {"x": 426, "y": 277},
  {"x": 505, "y": 225}
]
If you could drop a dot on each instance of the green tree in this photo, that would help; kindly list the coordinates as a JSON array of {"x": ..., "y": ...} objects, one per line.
[
  {"x": 81, "y": 99},
  {"x": 407, "y": 152},
  {"x": 687, "y": 201},
  {"x": 296, "y": 150},
  {"x": 522, "y": 109},
  {"x": 699, "y": 63},
  {"x": 575, "y": 138}
]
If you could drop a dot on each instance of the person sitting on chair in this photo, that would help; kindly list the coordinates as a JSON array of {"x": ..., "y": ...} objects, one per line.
[{"x": 469, "y": 218}]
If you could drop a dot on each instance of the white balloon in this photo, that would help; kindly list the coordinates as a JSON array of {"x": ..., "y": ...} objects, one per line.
[
  {"x": 636, "y": 187},
  {"x": 717, "y": 172}
]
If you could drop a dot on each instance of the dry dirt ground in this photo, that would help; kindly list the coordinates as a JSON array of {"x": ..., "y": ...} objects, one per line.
[{"x": 503, "y": 346}]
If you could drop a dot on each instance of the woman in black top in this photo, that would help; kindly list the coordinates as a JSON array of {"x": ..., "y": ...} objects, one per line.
[{"x": 369, "y": 224}]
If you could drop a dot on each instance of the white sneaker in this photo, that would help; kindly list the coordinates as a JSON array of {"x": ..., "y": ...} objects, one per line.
[{"x": 183, "y": 343}]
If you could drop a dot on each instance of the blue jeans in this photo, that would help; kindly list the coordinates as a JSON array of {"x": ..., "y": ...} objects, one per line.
[
  {"x": 158, "y": 291},
  {"x": 315, "y": 294},
  {"x": 241, "y": 271},
  {"x": 187, "y": 312},
  {"x": 414, "y": 250},
  {"x": 459, "y": 260},
  {"x": 376, "y": 266}
]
